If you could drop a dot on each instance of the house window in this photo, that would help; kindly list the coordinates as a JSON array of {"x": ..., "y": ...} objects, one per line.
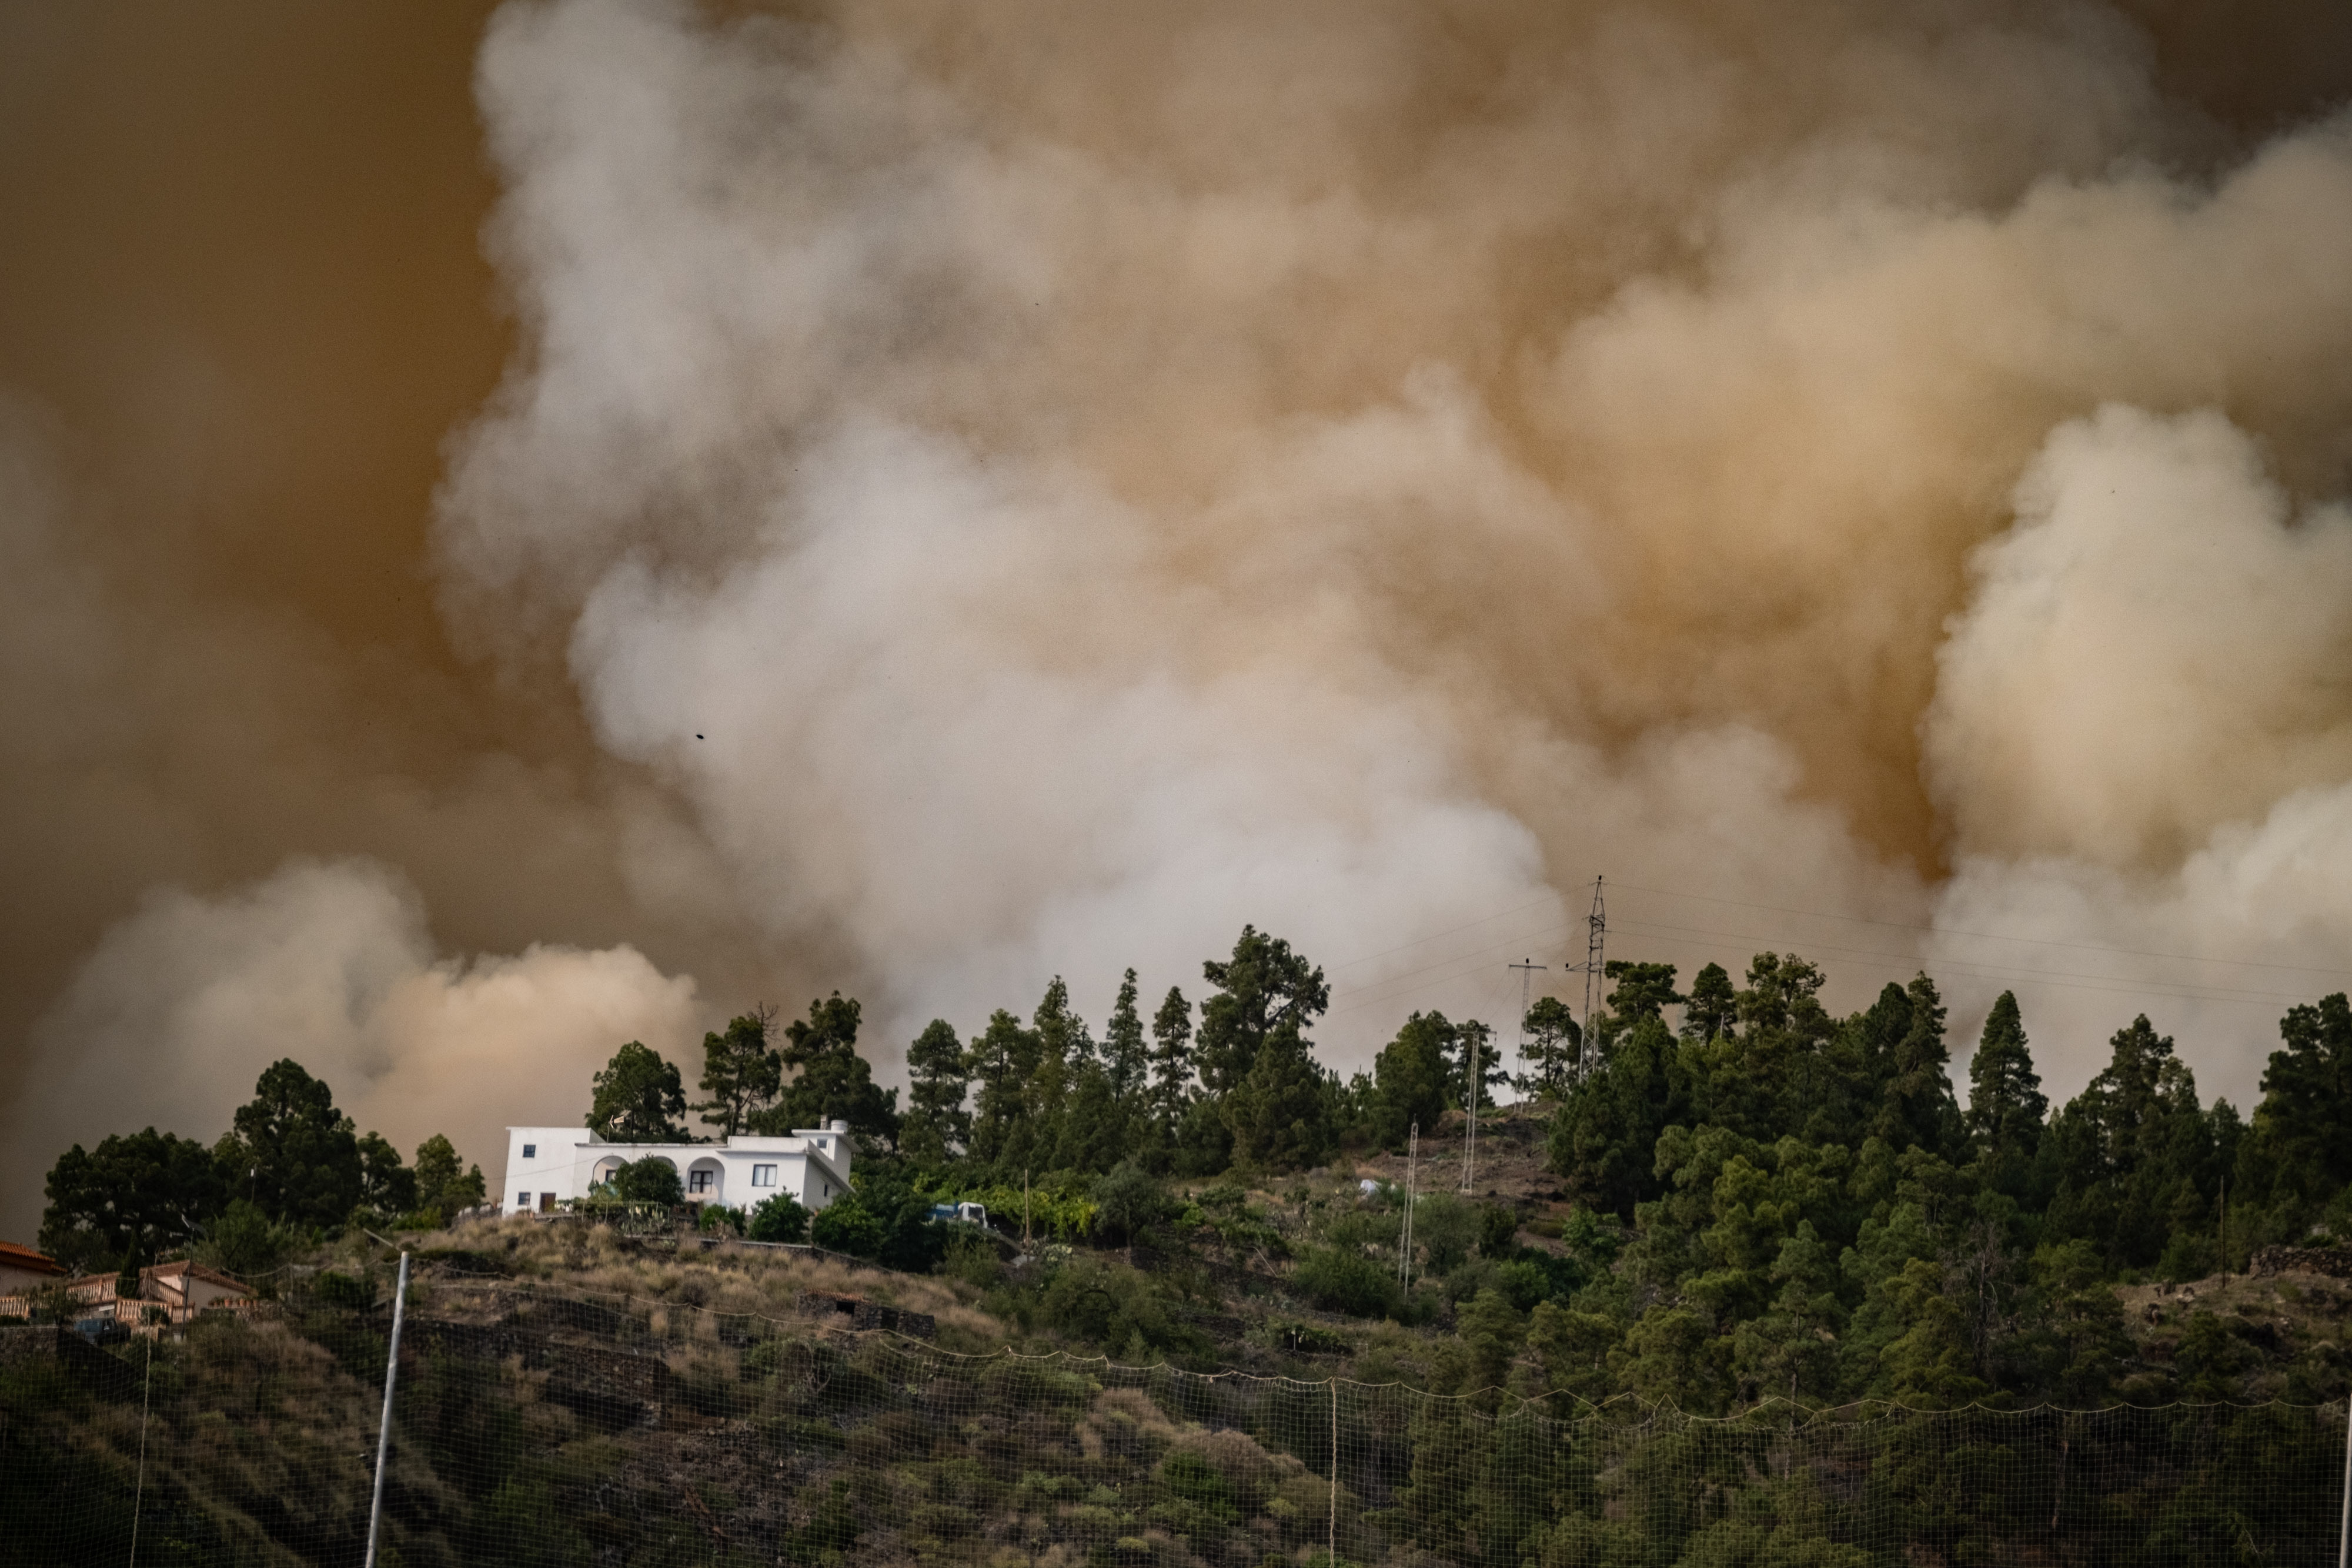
[
  {"x": 522, "y": 1203},
  {"x": 763, "y": 1176},
  {"x": 828, "y": 1190},
  {"x": 697, "y": 1181},
  {"x": 531, "y": 1151}
]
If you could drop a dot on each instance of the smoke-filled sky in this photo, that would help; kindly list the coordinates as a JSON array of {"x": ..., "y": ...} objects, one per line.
[{"x": 526, "y": 529}]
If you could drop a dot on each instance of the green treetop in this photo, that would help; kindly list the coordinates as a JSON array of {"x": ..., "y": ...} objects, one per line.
[
  {"x": 830, "y": 1079},
  {"x": 1264, "y": 992},
  {"x": 443, "y": 1184},
  {"x": 1552, "y": 1045},
  {"x": 2006, "y": 1105},
  {"x": 741, "y": 1073},
  {"x": 147, "y": 1192},
  {"x": 301, "y": 1154},
  {"x": 639, "y": 1099},
  {"x": 936, "y": 1125}
]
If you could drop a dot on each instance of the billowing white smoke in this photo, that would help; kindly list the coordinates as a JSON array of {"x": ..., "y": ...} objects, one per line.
[
  {"x": 974, "y": 682},
  {"x": 172, "y": 1018},
  {"x": 1043, "y": 522},
  {"x": 2141, "y": 734},
  {"x": 1048, "y": 483}
]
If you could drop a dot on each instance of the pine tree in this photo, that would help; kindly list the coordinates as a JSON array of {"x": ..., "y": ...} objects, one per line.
[
  {"x": 2301, "y": 1148},
  {"x": 1125, "y": 1056},
  {"x": 1172, "y": 1059},
  {"x": 1550, "y": 1049},
  {"x": 1254, "y": 1051},
  {"x": 1001, "y": 1060},
  {"x": 1916, "y": 1109},
  {"x": 741, "y": 1073},
  {"x": 1643, "y": 990},
  {"x": 937, "y": 1125},
  {"x": 1262, "y": 990},
  {"x": 2006, "y": 1105},
  {"x": 1280, "y": 1114},
  {"x": 831, "y": 1080},
  {"x": 1474, "y": 1054},
  {"x": 1410, "y": 1078},
  {"x": 1065, "y": 1052},
  {"x": 1711, "y": 1009}
]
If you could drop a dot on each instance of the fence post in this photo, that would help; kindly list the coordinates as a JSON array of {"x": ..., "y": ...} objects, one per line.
[
  {"x": 383, "y": 1434},
  {"x": 1331, "y": 1551},
  {"x": 2344, "y": 1528}
]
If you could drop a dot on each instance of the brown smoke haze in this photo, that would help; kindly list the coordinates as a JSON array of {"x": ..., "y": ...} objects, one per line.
[{"x": 527, "y": 531}]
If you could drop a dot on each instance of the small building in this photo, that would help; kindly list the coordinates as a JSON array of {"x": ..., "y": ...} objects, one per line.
[
  {"x": 22, "y": 1269},
  {"x": 548, "y": 1167},
  {"x": 188, "y": 1288},
  {"x": 168, "y": 1292}
]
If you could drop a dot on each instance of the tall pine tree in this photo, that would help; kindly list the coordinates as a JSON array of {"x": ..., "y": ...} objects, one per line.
[
  {"x": 936, "y": 1126},
  {"x": 2006, "y": 1106}
]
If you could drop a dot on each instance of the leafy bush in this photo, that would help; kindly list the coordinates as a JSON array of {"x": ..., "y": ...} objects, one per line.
[
  {"x": 1342, "y": 1281},
  {"x": 1524, "y": 1282},
  {"x": 884, "y": 1218},
  {"x": 780, "y": 1219},
  {"x": 244, "y": 1241},
  {"x": 847, "y": 1226},
  {"x": 1121, "y": 1310},
  {"x": 1125, "y": 1201},
  {"x": 649, "y": 1180},
  {"x": 1444, "y": 1226}
]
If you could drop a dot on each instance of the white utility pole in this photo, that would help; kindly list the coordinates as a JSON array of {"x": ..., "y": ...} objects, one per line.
[
  {"x": 1405, "y": 1235},
  {"x": 383, "y": 1434}
]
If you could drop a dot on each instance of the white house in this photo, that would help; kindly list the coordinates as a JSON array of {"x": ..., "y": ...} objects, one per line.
[{"x": 547, "y": 1165}]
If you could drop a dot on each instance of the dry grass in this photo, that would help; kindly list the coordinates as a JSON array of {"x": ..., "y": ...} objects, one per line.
[{"x": 687, "y": 1289}]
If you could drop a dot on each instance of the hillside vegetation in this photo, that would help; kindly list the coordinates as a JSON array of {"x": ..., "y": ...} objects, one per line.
[{"x": 1694, "y": 1280}]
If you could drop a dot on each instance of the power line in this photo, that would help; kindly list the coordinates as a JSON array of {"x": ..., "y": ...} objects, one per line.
[
  {"x": 2113, "y": 983},
  {"x": 1464, "y": 965},
  {"x": 1990, "y": 935}
]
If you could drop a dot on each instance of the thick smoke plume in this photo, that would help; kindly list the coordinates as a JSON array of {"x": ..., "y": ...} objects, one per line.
[
  {"x": 1025, "y": 489},
  {"x": 1051, "y": 488}
]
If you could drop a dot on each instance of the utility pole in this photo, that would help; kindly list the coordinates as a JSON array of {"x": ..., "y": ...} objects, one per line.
[
  {"x": 1526, "y": 968},
  {"x": 1405, "y": 1235},
  {"x": 1470, "y": 1127},
  {"x": 1595, "y": 970},
  {"x": 384, "y": 1432}
]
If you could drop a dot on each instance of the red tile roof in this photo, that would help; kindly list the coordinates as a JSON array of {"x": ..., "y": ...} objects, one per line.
[
  {"x": 17, "y": 1257},
  {"x": 195, "y": 1270}
]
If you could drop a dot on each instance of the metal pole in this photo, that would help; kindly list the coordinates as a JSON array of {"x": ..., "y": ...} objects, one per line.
[
  {"x": 1470, "y": 1132},
  {"x": 2344, "y": 1529},
  {"x": 1404, "y": 1240},
  {"x": 1331, "y": 1553},
  {"x": 139, "y": 1497},
  {"x": 383, "y": 1436}
]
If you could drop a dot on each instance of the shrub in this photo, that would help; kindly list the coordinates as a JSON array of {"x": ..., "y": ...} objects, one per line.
[
  {"x": 1343, "y": 1281},
  {"x": 848, "y": 1226},
  {"x": 649, "y": 1180},
  {"x": 1125, "y": 1201},
  {"x": 1444, "y": 1226},
  {"x": 243, "y": 1241},
  {"x": 780, "y": 1219}
]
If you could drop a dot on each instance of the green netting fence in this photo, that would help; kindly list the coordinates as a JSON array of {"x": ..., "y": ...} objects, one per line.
[{"x": 533, "y": 1427}]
